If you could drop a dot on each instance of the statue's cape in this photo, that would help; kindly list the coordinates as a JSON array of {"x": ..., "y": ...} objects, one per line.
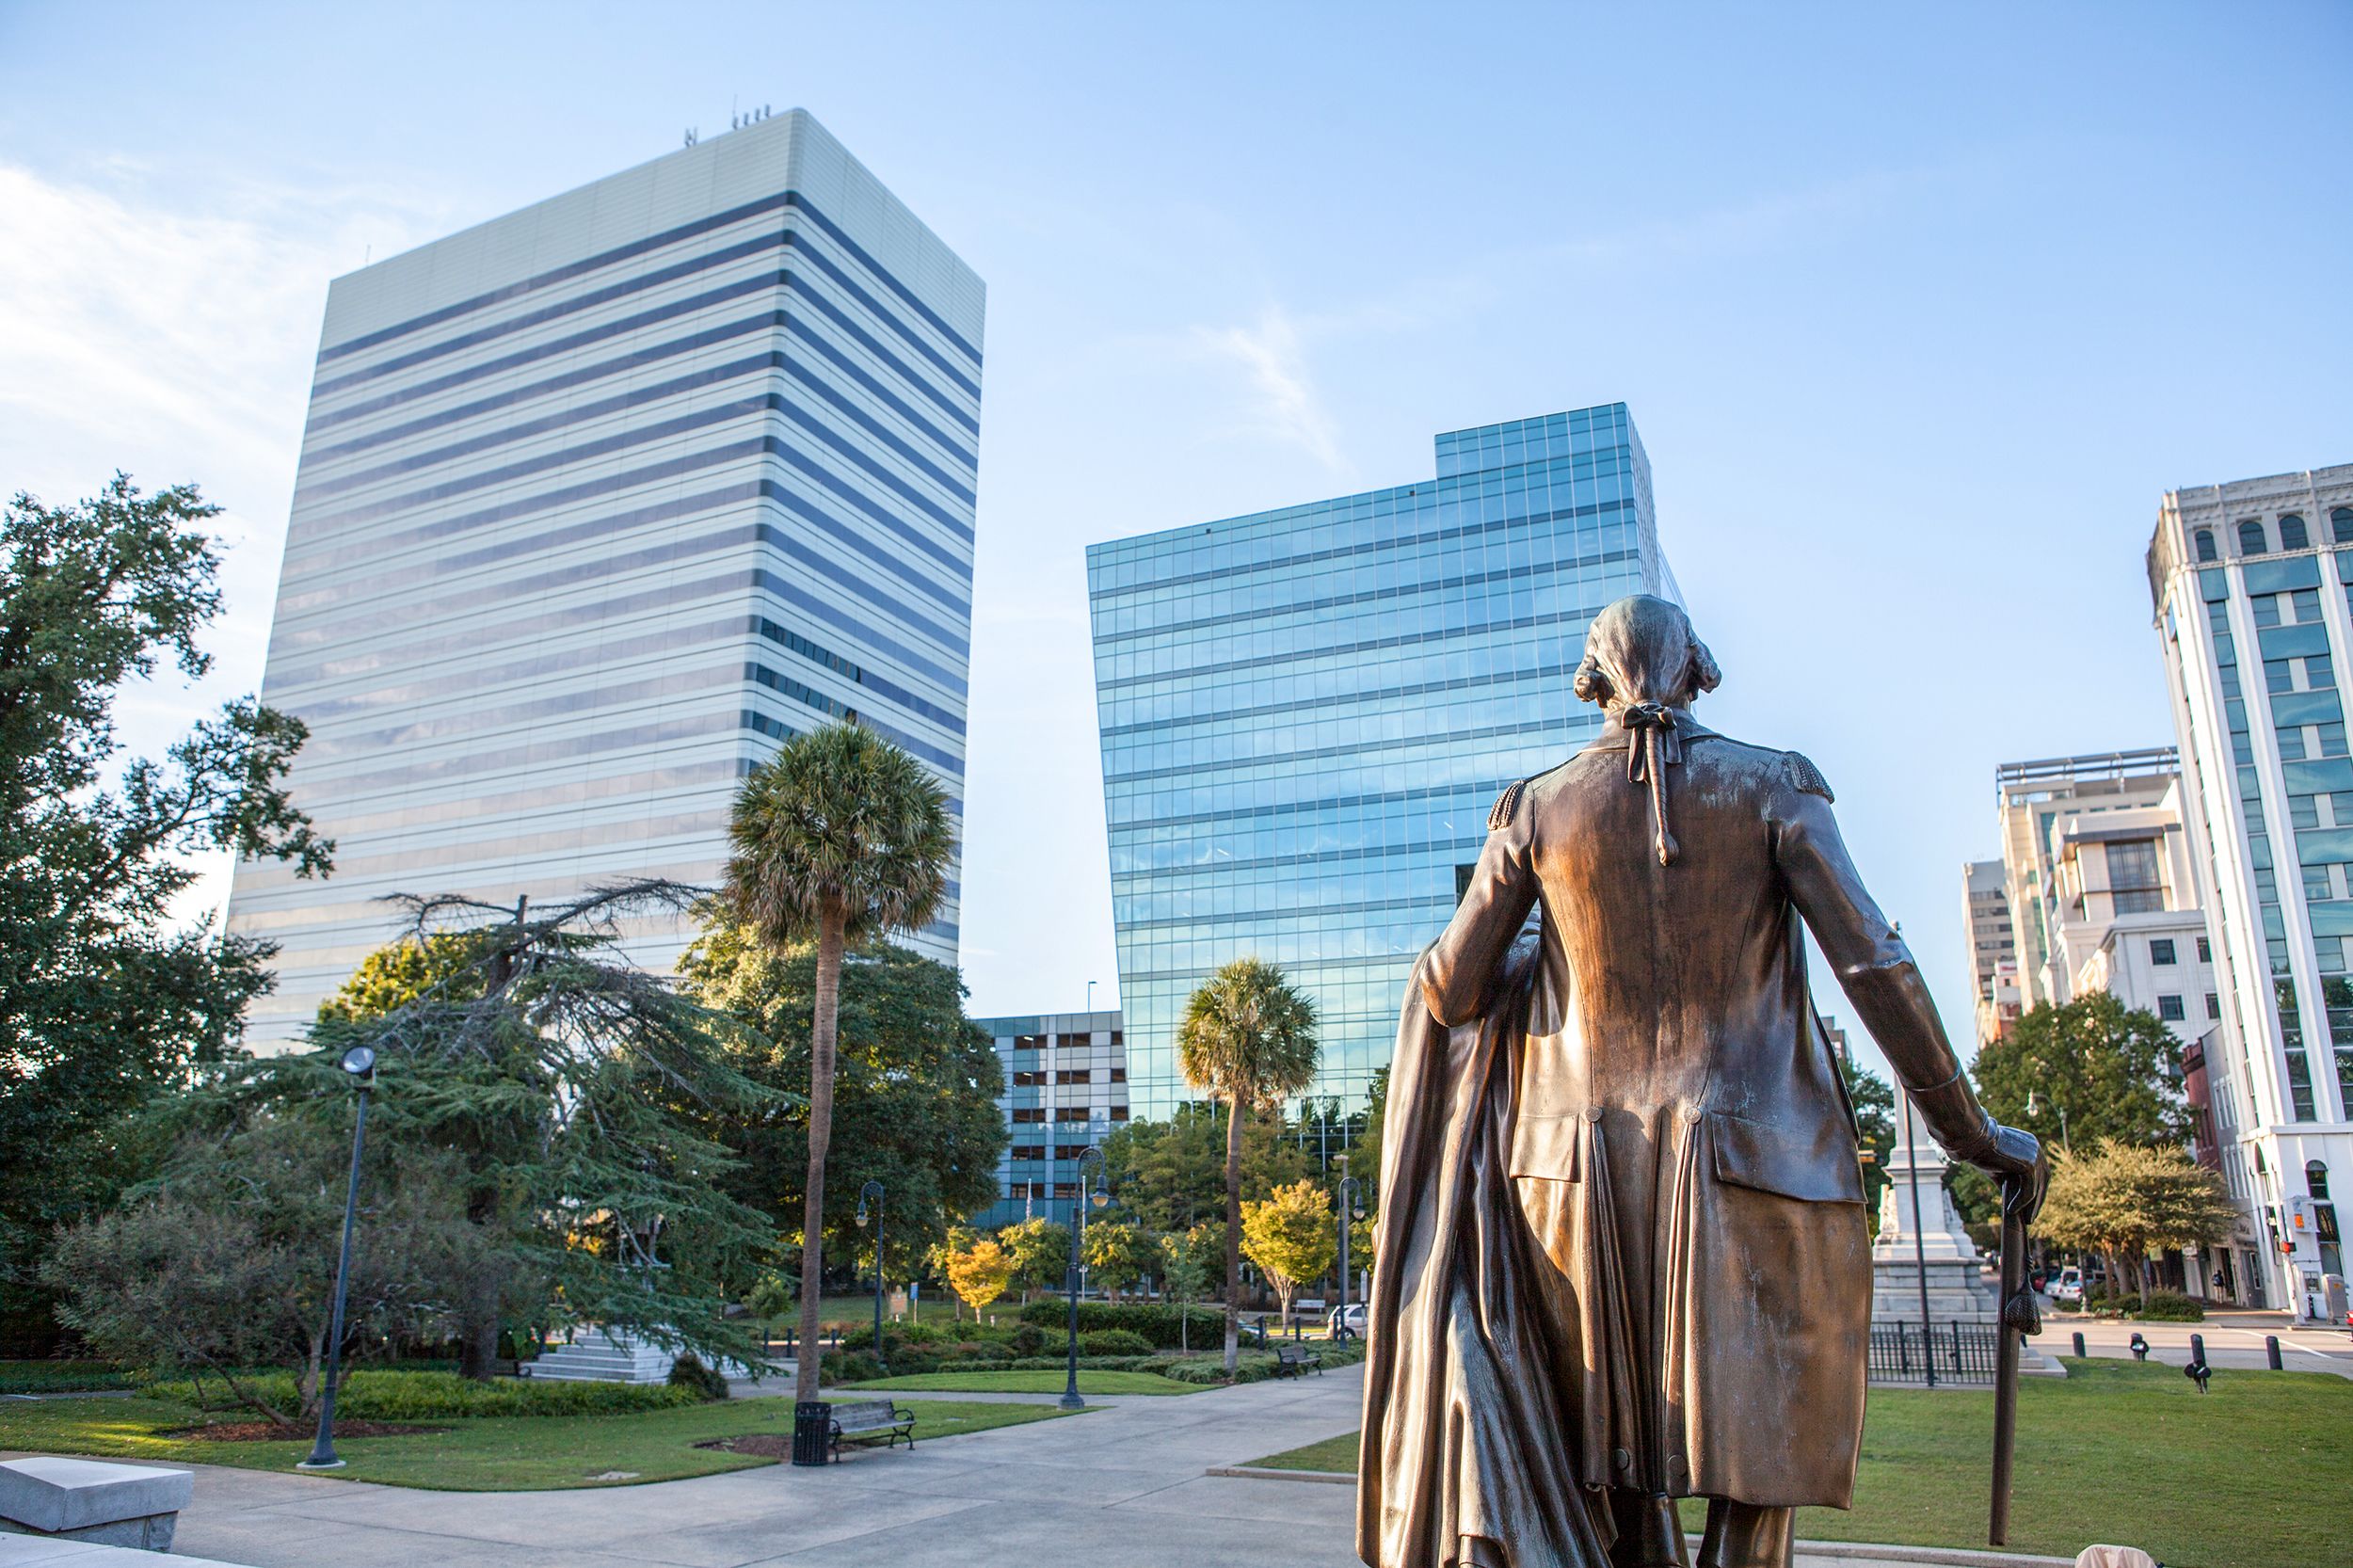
[{"x": 1467, "y": 1449}]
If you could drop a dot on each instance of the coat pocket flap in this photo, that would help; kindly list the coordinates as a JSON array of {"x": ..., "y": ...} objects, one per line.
[
  {"x": 1549, "y": 1146},
  {"x": 1816, "y": 1165}
]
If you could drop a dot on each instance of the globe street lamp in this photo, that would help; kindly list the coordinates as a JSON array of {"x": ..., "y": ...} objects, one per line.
[
  {"x": 360, "y": 1063},
  {"x": 875, "y": 1189},
  {"x": 1070, "y": 1399}
]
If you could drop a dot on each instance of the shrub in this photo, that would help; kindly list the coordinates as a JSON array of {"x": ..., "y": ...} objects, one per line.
[
  {"x": 853, "y": 1367},
  {"x": 2172, "y": 1307},
  {"x": 386, "y": 1396},
  {"x": 1028, "y": 1339},
  {"x": 897, "y": 1334},
  {"x": 1252, "y": 1366},
  {"x": 46, "y": 1377},
  {"x": 688, "y": 1371},
  {"x": 1115, "y": 1342},
  {"x": 1158, "y": 1323}
]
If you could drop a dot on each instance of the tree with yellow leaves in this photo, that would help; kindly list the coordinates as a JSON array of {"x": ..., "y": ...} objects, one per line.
[
  {"x": 978, "y": 1267},
  {"x": 1292, "y": 1237}
]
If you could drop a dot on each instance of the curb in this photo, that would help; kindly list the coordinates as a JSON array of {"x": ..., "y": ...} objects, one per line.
[
  {"x": 1253, "y": 1472},
  {"x": 1955, "y": 1556},
  {"x": 1926, "y": 1554}
]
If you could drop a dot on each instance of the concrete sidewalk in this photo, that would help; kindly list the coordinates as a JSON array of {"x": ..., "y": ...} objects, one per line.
[{"x": 1123, "y": 1486}]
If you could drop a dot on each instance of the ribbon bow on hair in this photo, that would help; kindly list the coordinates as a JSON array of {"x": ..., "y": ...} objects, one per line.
[{"x": 1652, "y": 745}]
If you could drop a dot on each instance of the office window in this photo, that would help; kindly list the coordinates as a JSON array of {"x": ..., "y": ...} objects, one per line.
[
  {"x": 2133, "y": 876},
  {"x": 2161, "y": 949},
  {"x": 2251, "y": 537},
  {"x": 2170, "y": 1009},
  {"x": 2214, "y": 1006},
  {"x": 2291, "y": 533},
  {"x": 2307, "y": 604},
  {"x": 2206, "y": 953},
  {"x": 2341, "y": 525},
  {"x": 2206, "y": 543}
]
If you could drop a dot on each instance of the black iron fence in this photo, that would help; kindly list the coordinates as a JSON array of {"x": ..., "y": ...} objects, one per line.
[{"x": 1958, "y": 1353}]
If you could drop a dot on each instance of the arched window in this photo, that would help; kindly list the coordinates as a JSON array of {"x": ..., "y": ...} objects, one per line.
[
  {"x": 2291, "y": 533},
  {"x": 2316, "y": 1178},
  {"x": 2341, "y": 525},
  {"x": 2206, "y": 543},
  {"x": 2251, "y": 538}
]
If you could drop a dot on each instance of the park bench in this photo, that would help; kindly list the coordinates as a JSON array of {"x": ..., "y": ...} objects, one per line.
[
  {"x": 1293, "y": 1361},
  {"x": 869, "y": 1419}
]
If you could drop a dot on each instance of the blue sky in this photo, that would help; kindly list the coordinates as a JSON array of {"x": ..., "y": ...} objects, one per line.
[{"x": 1918, "y": 311}]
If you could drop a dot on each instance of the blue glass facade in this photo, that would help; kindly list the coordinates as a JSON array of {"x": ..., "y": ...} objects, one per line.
[{"x": 1306, "y": 714}]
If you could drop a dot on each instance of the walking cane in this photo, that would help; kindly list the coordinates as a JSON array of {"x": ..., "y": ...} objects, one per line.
[{"x": 2021, "y": 1316}]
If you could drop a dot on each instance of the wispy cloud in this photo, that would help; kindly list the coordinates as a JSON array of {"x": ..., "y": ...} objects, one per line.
[
  {"x": 166, "y": 328},
  {"x": 1282, "y": 401}
]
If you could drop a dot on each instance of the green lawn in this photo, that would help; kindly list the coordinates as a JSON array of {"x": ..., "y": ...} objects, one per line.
[
  {"x": 1032, "y": 1383},
  {"x": 506, "y": 1454},
  {"x": 2249, "y": 1476}
]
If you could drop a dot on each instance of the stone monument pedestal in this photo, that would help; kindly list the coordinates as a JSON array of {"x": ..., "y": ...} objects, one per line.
[{"x": 1957, "y": 1289}]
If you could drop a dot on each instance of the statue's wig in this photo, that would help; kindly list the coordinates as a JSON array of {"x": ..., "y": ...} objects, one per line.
[{"x": 1643, "y": 650}]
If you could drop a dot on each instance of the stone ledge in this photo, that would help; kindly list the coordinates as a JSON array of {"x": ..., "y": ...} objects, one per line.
[
  {"x": 56, "y": 1497},
  {"x": 40, "y": 1551}
]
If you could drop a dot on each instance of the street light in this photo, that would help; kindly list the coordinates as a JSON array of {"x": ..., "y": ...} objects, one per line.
[
  {"x": 2034, "y": 1108},
  {"x": 1349, "y": 1187},
  {"x": 875, "y": 1189},
  {"x": 360, "y": 1063},
  {"x": 1082, "y": 1198}
]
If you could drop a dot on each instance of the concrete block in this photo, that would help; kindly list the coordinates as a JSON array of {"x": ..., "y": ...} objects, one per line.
[{"x": 91, "y": 1500}]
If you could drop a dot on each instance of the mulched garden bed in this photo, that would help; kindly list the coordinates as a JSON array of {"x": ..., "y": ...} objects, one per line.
[
  {"x": 263, "y": 1431},
  {"x": 767, "y": 1445}
]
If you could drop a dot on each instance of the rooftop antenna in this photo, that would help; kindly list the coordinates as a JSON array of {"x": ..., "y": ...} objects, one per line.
[{"x": 690, "y": 137}]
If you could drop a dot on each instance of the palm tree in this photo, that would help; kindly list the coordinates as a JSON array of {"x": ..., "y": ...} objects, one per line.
[
  {"x": 1249, "y": 1038},
  {"x": 839, "y": 837}
]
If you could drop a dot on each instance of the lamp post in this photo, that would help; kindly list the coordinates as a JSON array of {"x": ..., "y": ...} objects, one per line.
[
  {"x": 360, "y": 1063},
  {"x": 1080, "y": 1199},
  {"x": 1349, "y": 1185},
  {"x": 875, "y": 1189}
]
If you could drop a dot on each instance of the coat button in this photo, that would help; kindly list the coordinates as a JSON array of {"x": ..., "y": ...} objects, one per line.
[
  {"x": 1593, "y": 1112},
  {"x": 1625, "y": 1460},
  {"x": 1690, "y": 1112},
  {"x": 1675, "y": 1465}
]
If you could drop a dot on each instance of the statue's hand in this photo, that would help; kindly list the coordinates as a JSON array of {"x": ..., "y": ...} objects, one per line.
[{"x": 2014, "y": 1158}]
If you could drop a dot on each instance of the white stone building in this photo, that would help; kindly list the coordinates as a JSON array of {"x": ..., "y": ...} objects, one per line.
[{"x": 2247, "y": 582}]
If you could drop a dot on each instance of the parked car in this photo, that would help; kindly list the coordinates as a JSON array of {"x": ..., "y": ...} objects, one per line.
[
  {"x": 1349, "y": 1320},
  {"x": 2069, "y": 1284}
]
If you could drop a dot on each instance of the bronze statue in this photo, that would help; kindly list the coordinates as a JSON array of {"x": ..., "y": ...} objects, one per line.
[{"x": 1624, "y": 1257}]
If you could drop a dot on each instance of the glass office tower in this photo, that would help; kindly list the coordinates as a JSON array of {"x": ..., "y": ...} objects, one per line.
[
  {"x": 1307, "y": 713},
  {"x": 597, "y": 502}
]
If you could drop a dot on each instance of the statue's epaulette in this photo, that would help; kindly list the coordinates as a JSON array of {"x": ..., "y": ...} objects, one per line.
[
  {"x": 1805, "y": 776},
  {"x": 1508, "y": 804}
]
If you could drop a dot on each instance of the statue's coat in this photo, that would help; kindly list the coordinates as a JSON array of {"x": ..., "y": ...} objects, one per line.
[{"x": 1622, "y": 1239}]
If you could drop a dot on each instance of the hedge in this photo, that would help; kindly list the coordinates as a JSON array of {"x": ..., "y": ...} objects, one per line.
[
  {"x": 1157, "y": 1321},
  {"x": 382, "y": 1396}
]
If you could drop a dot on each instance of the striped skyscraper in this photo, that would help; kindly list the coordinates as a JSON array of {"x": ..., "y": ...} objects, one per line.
[{"x": 596, "y": 501}]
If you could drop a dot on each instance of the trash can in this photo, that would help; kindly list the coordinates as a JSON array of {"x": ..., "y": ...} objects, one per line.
[{"x": 813, "y": 1432}]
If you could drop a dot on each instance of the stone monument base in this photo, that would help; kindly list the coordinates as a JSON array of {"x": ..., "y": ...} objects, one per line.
[{"x": 1958, "y": 1291}]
